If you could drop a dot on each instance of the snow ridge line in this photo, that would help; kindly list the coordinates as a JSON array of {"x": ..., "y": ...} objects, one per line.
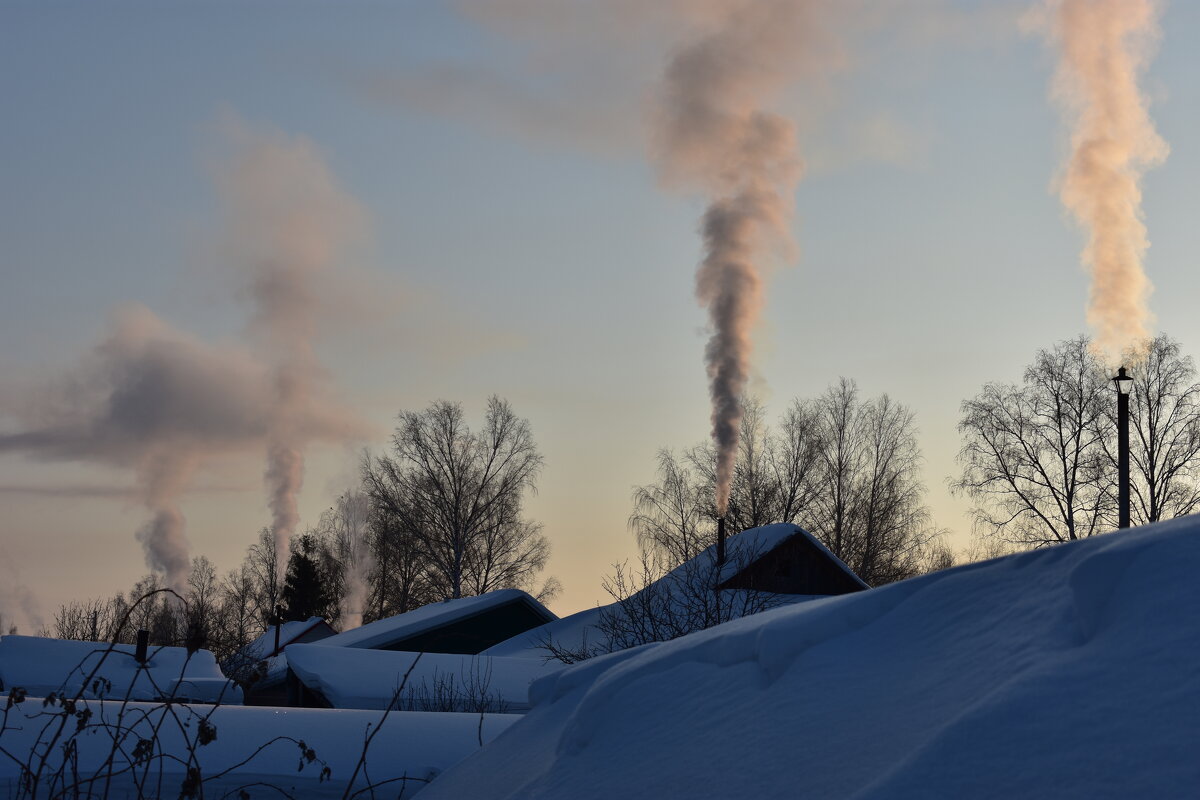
[{"x": 723, "y": 646}]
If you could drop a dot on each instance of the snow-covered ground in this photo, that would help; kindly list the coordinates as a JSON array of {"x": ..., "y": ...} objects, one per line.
[
  {"x": 409, "y": 749},
  {"x": 1067, "y": 672},
  {"x": 355, "y": 678}
]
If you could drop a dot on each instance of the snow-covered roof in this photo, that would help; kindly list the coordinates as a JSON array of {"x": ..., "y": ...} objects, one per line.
[
  {"x": 91, "y": 669},
  {"x": 1064, "y": 672},
  {"x": 581, "y": 632},
  {"x": 264, "y": 646},
  {"x": 383, "y": 632},
  {"x": 576, "y": 632},
  {"x": 356, "y": 678},
  {"x": 743, "y": 549}
]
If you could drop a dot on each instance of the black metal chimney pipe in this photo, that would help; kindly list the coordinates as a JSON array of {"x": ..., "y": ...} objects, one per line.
[
  {"x": 143, "y": 644},
  {"x": 278, "y": 625},
  {"x": 720, "y": 540}
]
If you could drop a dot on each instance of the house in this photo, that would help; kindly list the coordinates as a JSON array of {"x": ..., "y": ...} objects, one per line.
[
  {"x": 261, "y": 666},
  {"x": 462, "y": 627},
  {"x": 465, "y": 626},
  {"x": 788, "y": 562},
  {"x": 764, "y": 567}
]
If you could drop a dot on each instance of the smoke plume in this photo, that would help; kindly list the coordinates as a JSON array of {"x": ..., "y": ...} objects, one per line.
[
  {"x": 289, "y": 224},
  {"x": 19, "y": 608},
  {"x": 713, "y": 133},
  {"x": 154, "y": 400},
  {"x": 162, "y": 403},
  {"x": 1104, "y": 46},
  {"x": 352, "y": 527}
]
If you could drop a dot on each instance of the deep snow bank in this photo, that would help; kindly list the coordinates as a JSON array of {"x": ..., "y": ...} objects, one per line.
[
  {"x": 409, "y": 749},
  {"x": 350, "y": 677},
  {"x": 1067, "y": 672}
]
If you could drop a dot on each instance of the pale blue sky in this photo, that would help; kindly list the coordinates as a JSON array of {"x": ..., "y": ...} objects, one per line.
[{"x": 528, "y": 247}]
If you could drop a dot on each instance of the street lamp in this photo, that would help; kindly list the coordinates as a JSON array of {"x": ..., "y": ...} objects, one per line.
[{"x": 1124, "y": 383}]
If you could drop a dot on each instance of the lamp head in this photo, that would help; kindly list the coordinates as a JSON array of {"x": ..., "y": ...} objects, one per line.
[{"x": 1123, "y": 381}]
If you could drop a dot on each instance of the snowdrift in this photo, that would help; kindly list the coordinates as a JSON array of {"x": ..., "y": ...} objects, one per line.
[
  {"x": 247, "y": 750},
  {"x": 349, "y": 677},
  {"x": 1067, "y": 672}
]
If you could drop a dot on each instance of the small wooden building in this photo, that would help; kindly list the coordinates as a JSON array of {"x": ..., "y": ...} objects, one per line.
[
  {"x": 466, "y": 626},
  {"x": 794, "y": 564}
]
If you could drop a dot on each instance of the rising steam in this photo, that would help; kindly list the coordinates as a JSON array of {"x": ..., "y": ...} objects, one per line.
[
  {"x": 1104, "y": 48},
  {"x": 289, "y": 224},
  {"x": 713, "y": 134},
  {"x": 162, "y": 403},
  {"x": 352, "y": 516},
  {"x": 155, "y": 400}
]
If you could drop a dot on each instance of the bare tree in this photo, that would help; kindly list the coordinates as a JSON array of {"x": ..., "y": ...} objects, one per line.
[
  {"x": 657, "y": 605},
  {"x": 398, "y": 580},
  {"x": 846, "y": 469},
  {"x": 1039, "y": 459},
  {"x": 894, "y": 525},
  {"x": 238, "y": 622},
  {"x": 202, "y": 603},
  {"x": 776, "y": 473},
  {"x": 262, "y": 559},
  {"x": 459, "y": 494},
  {"x": 668, "y": 515},
  {"x": 775, "y": 478},
  {"x": 1033, "y": 456}
]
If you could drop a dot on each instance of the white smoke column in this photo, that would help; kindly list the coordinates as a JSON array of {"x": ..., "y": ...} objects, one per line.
[
  {"x": 155, "y": 400},
  {"x": 353, "y": 519},
  {"x": 1104, "y": 48},
  {"x": 290, "y": 221},
  {"x": 18, "y": 605},
  {"x": 713, "y": 133},
  {"x": 163, "y": 477}
]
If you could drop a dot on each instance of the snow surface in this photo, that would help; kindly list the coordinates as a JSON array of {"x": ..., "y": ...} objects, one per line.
[
  {"x": 416, "y": 745},
  {"x": 575, "y": 632},
  {"x": 581, "y": 631},
  {"x": 88, "y": 669},
  {"x": 1066, "y": 672},
  {"x": 355, "y": 678},
  {"x": 427, "y": 617}
]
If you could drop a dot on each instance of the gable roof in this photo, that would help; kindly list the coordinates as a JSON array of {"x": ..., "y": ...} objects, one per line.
[
  {"x": 749, "y": 549},
  {"x": 393, "y": 632},
  {"x": 289, "y": 632},
  {"x": 754, "y": 548}
]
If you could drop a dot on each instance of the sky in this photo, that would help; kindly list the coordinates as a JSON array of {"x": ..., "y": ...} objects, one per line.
[{"x": 492, "y": 218}]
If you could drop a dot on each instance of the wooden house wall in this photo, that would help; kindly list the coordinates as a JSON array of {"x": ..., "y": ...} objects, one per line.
[{"x": 795, "y": 567}]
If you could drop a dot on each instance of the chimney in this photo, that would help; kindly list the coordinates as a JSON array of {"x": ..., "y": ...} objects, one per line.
[
  {"x": 143, "y": 643},
  {"x": 278, "y": 625},
  {"x": 720, "y": 540}
]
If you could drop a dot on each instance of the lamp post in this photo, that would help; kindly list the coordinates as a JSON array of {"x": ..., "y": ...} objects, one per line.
[{"x": 1124, "y": 383}]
